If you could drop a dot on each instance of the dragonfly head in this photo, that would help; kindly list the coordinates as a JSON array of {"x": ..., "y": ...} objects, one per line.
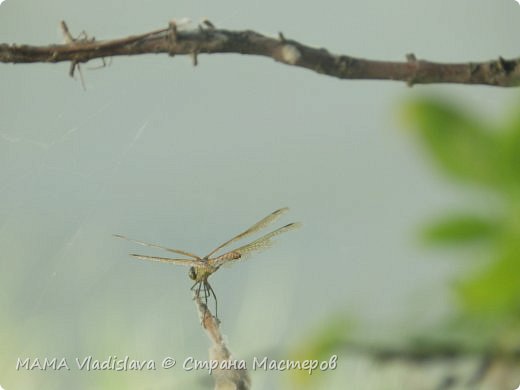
[{"x": 192, "y": 273}]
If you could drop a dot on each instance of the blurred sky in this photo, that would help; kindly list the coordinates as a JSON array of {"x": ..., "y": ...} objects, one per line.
[{"x": 186, "y": 156}]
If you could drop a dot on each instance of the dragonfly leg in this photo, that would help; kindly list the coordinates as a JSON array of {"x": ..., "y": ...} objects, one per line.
[
  {"x": 196, "y": 287},
  {"x": 207, "y": 291},
  {"x": 210, "y": 290},
  {"x": 206, "y": 285}
]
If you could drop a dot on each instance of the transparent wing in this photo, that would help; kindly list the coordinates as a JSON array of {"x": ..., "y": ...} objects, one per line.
[
  {"x": 256, "y": 227},
  {"x": 258, "y": 245},
  {"x": 178, "y": 251},
  {"x": 187, "y": 262}
]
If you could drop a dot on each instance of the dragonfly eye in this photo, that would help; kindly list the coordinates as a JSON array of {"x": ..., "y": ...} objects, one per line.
[{"x": 192, "y": 274}]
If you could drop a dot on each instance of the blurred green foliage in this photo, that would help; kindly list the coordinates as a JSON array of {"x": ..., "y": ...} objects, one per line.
[
  {"x": 484, "y": 159},
  {"x": 325, "y": 341},
  {"x": 485, "y": 156}
]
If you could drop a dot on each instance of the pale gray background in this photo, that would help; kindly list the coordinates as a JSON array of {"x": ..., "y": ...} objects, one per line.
[{"x": 187, "y": 157}]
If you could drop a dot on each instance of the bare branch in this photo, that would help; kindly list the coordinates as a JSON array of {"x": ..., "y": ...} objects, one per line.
[
  {"x": 431, "y": 352},
  {"x": 225, "y": 378},
  {"x": 486, "y": 365},
  {"x": 206, "y": 39}
]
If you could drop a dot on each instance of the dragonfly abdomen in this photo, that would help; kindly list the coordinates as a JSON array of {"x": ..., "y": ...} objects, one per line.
[{"x": 230, "y": 256}]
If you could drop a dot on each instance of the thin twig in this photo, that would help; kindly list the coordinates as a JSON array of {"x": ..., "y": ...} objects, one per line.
[
  {"x": 209, "y": 40},
  {"x": 69, "y": 39}
]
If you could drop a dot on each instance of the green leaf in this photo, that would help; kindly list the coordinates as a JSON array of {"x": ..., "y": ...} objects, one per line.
[
  {"x": 510, "y": 151},
  {"x": 495, "y": 291},
  {"x": 459, "y": 229},
  {"x": 513, "y": 119},
  {"x": 458, "y": 142}
]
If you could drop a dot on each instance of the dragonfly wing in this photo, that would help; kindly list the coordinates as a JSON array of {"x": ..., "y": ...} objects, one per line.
[
  {"x": 258, "y": 245},
  {"x": 187, "y": 262},
  {"x": 178, "y": 251},
  {"x": 256, "y": 227}
]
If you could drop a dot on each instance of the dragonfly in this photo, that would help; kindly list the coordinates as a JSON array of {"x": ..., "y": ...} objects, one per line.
[{"x": 201, "y": 268}]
